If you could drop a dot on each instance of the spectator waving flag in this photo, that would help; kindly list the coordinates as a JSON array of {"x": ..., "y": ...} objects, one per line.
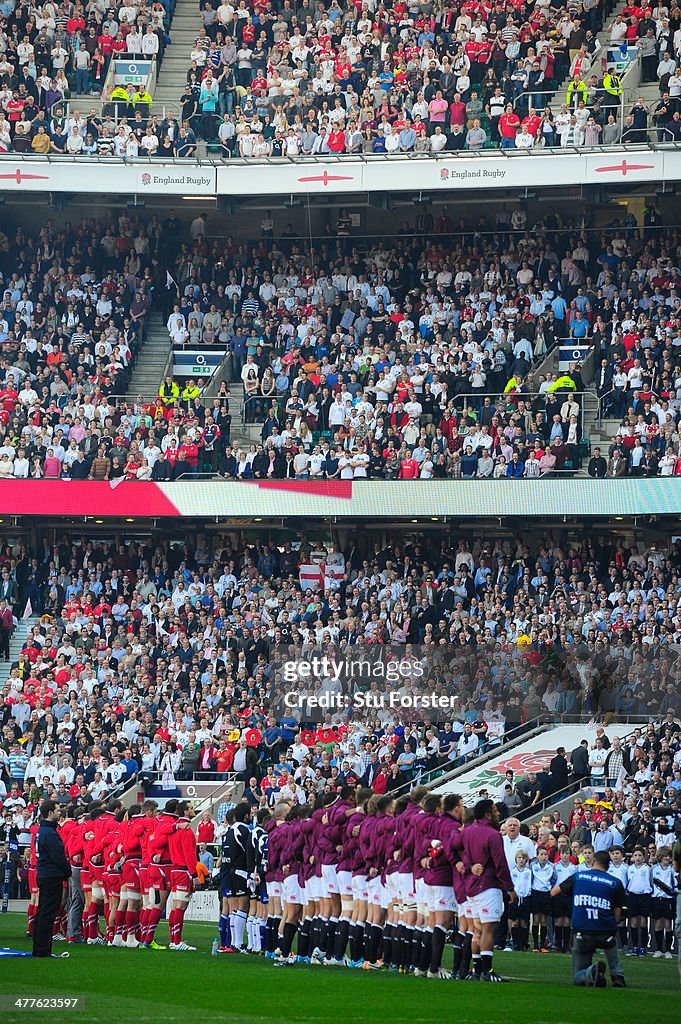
[{"x": 310, "y": 576}]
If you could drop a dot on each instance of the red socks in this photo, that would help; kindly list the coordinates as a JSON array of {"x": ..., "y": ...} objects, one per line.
[
  {"x": 132, "y": 918},
  {"x": 155, "y": 915}
]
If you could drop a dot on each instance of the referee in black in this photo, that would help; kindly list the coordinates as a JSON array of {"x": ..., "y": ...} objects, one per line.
[{"x": 53, "y": 870}]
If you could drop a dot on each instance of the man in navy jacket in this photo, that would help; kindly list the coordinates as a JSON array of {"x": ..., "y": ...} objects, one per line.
[{"x": 53, "y": 870}]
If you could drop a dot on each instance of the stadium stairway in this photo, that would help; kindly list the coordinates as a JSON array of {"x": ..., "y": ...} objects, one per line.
[
  {"x": 173, "y": 74},
  {"x": 16, "y": 643},
  {"x": 603, "y": 38},
  {"x": 151, "y": 361},
  {"x": 243, "y": 434}
]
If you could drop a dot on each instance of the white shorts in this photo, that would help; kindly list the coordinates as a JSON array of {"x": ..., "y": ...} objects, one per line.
[
  {"x": 360, "y": 890},
  {"x": 378, "y": 894},
  {"x": 422, "y": 896},
  {"x": 441, "y": 898},
  {"x": 274, "y": 890},
  {"x": 466, "y": 910},
  {"x": 374, "y": 886},
  {"x": 329, "y": 880},
  {"x": 405, "y": 881},
  {"x": 314, "y": 887},
  {"x": 392, "y": 887},
  {"x": 291, "y": 890},
  {"x": 344, "y": 879},
  {"x": 488, "y": 906}
]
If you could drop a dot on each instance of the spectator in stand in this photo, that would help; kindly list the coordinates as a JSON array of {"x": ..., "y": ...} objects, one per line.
[
  {"x": 429, "y": 365},
  {"x": 285, "y": 75}
]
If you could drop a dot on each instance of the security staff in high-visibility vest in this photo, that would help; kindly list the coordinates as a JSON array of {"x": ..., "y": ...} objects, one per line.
[
  {"x": 597, "y": 900},
  {"x": 612, "y": 85},
  {"x": 190, "y": 391},
  {"x": 168, "y": 391},
  {"x": 576, "y": 91}
]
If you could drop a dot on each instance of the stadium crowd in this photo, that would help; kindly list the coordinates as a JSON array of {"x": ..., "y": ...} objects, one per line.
[
  {"x": 52, "y": 53},
  {"x": 165, "y": 656},
  {"x": 150, "y": 661},
  {"x": 285, "y": 79},
  {"x": 412, "y": 357}
]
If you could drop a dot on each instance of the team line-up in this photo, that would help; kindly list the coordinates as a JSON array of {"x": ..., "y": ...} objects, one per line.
[{"x": 357, "y": 880}]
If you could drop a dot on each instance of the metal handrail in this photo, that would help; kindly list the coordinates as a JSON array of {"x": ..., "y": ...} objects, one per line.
[
  {"x": 326, "y": 158},
  {"x": 497, "y": 397},
  {"x": 509, "y": 739},
  {"x": 606, "y": 394},
  {"x": 573, "y": 785}
]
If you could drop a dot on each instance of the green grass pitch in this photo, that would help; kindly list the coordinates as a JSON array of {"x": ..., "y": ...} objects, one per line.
[{"x": 122, "y": 986}]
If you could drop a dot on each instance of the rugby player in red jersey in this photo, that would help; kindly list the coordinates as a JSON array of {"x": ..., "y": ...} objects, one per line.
[
  {"x": 183, "y": 876},
  {"x": 66, "y": 827},
  {"x": 146, "y": 830},
  {"x": 32, "y": 881},
  {"x": 91, "y": 878},
  {"x": 74, "y": 852},
  {"x": 159, "y": 869},
  {"x": 127, "y": 915},
  {"x": 111, "y": 879}
]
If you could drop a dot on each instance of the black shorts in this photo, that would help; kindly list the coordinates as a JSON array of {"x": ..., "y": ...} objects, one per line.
[
  {"x": 541, "y": 903},
  {"x": 639, "y": 904},
  {"x": 561, "y": 906},
  {"x": 520, "y": 910},
  {"x": 238, "y": 884},
  {"x": 225, "y": 882},
  {"x": 663, "y": 907}
]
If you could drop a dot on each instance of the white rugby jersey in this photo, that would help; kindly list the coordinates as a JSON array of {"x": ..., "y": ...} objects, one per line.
[
  {"x": 639, "y": 879},
  {"x": 542, "y": 877},
  {"x": 667, "y": 876},
  {"x": 619, "y": 871},
  {"x": 564, "y": 871},
  {"x": 522, "y": 881}
]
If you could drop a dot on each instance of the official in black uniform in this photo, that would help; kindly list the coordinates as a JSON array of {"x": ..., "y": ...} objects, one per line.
[{"x": 53, "y": 870}]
